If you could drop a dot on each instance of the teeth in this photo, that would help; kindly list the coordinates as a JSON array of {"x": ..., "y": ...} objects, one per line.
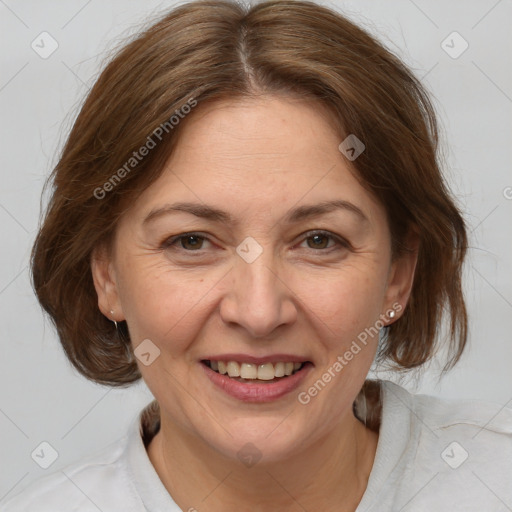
[
  {"x": 248, "y": 371},
  {"x": 251, "y": 371},
  {"x": 222, "y": 368},
  {"x": 279, "y": 369},
  {"x": 233, "y": 369},
  {"x": 266, "y": 371}
]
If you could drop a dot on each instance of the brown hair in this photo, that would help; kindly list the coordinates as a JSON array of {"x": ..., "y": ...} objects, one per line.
[{"x": 207, "y": 50}]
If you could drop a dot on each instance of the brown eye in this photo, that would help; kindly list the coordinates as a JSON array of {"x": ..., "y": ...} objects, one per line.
[
  {"x": 319, "y": 241},
  {"x": 191, "y": 242},
  {"x": 188, "y": 242}
]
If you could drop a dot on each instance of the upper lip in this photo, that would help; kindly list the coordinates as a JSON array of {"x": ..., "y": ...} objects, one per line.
[{"x": 246, "y": 358}]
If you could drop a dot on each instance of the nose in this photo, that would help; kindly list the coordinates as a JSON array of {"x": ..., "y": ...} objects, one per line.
[{"x": 258, "y": 298}]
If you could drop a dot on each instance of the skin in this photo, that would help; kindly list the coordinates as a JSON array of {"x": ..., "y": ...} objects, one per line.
[{"x": 257, "y": 159}]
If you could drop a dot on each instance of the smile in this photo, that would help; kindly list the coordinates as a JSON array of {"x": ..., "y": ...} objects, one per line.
[
  {"x": 250, "y": 371},
  {"x": 256, "y": 382}
]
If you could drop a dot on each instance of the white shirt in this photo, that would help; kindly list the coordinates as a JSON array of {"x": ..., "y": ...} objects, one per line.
[{"x": 433, "y": 455}]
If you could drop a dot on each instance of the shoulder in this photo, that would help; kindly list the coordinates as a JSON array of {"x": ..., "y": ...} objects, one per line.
[
  {"x": 439, "y": 414},
  {"x": 458, "y": 451},
  {"x": 97, "y": 482},
  {"x": 463, "y": 429}
]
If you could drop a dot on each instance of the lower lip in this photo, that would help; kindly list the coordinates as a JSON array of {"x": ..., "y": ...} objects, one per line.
[{"x": 256, "y": 392}]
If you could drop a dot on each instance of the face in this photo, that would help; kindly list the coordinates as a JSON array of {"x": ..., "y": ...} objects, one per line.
[{"x": 254, "y": 269}]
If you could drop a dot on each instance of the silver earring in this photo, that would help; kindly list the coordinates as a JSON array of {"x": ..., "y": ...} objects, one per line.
[
  {"x": 392, "y": 314},
  {"x": 112, "y": 313}
]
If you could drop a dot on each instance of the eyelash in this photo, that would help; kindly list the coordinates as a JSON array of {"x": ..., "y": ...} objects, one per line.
[{"x": 170, "y": 242}]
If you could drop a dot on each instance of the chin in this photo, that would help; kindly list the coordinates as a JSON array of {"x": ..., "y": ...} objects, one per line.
[{"x": 262, "y": 441}]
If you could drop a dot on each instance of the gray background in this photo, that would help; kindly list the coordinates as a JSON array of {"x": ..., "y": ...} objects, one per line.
[{"x": 42, "y": 398}]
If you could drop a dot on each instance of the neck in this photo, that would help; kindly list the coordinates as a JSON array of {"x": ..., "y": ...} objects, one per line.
[{"x": 331, "y": 474}]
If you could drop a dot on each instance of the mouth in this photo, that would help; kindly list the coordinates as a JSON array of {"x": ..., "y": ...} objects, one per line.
[
  {"x": 252, "y": 372},
  {"x": 257, "y": 381}
]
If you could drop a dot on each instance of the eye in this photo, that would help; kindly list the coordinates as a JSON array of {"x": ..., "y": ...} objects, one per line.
[
  {"x": 190, "y": 242},
  {"x": 320, "y": 240},
  {"x": 194, "y": 242}
]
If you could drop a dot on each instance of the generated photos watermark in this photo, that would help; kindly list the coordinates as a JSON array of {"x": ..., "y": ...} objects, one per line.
[
  {"x": 305, "y": 397},
  {"x": 352, "y": 147},
  {"x": 152, "y": 140}
]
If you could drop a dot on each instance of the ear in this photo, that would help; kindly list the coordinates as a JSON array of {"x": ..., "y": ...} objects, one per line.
[
  {"x": 104, "y": 279},
  {"x": 401, "y": 277}
]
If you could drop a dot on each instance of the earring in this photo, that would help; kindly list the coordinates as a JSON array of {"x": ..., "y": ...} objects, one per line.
[
  {"x": 391, "y": 314},
  {"x": 112, "y": 313}
]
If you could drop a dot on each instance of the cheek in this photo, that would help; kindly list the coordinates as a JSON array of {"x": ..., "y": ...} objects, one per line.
[
  {"x": 346, "y": 301},
  {"x": 165, "y": 306},
  {"x": 345, "y": 311},
  {"x": 171, "y": 307}
]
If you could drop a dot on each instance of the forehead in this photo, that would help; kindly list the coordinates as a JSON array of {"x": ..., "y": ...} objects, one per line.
[
  {"x": 269, "y": 128},
  {"x": 257, "y": 155}
]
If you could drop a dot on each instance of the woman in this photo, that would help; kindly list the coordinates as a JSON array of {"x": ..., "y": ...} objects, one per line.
[{"x": 247, "y": 212}]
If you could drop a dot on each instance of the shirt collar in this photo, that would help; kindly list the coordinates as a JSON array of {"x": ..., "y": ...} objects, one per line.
[{"x": 150, "y": 488}]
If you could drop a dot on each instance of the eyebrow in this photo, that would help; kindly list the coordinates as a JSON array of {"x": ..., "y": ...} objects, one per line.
[{"x": 296, "y": 215}]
